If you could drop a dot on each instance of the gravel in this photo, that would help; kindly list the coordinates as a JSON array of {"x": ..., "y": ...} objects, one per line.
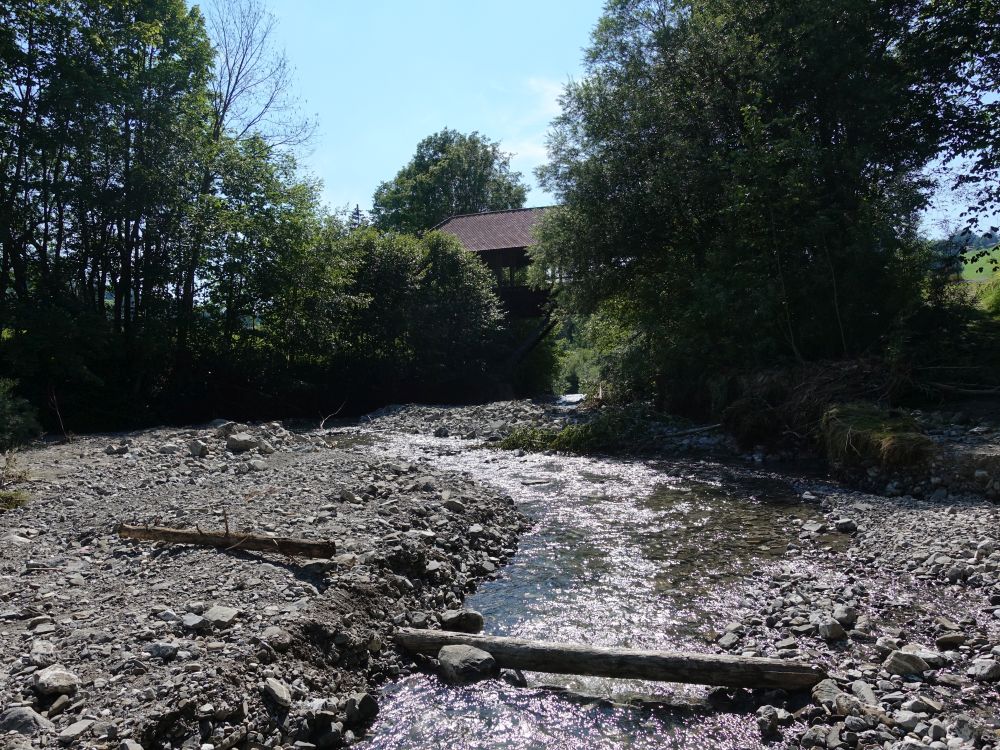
[{"x": 106, "y": 642}]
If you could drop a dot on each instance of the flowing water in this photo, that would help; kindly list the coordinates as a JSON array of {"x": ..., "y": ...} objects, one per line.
[{"x": 623, "y": 553}]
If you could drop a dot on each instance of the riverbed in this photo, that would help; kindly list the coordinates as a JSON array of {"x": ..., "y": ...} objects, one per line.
[{"x": 632, "y": 553}]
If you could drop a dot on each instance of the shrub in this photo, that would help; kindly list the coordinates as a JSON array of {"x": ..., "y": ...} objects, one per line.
[{"x": 18, "y": 422}]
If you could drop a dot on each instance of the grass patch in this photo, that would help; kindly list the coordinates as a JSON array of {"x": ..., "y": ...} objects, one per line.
[
  {"x": 10, "y": 476},
  {"x": 10, "y": 499},
  {"x": 631, "y": 428},
  {"x": 861, "y": 434},
  {"x": 984, "y": 268}
]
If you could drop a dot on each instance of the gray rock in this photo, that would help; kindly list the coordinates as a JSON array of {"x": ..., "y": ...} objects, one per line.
[
  {"x": 23, "y": 720},
  {"x": 462, "y": 621},
  {"x": 907, "y": 719},
  {"x": 462, "y": 665},
  {"x": 277, "y": 638},
  {"x": 265, "y": 447},
  {"x": 767, "y": 721},
  {"x": 845, "y": 525},
  {"x": 278, "y": 692},
  {"x": 129, "y": 745},
  {"x": 56, "y": 680},
  {"x": 902, "y": 663},
  {"x": 831, "y": 630},
  {"x": 864, "y": 692},
  {"x": 240, "y": 442},
  {"x": 257, "y": 464},
  {"x": 846, "y": 616},
  {"x": 43, "y": 653},
  {"x": 161, "y": 650},
  {"x": 729, "y": 641},
  {"x": 191, "y": 621},
  {"x": 198, "y": 448},
  {"x": 221, "y": 616},
  {"x": 169, "y": 449},
  {"x": 985, "y": 670},
  {"x": 75, "y": 731}
]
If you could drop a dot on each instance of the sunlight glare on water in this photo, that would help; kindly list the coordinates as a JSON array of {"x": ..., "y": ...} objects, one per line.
[{"x": 623, "y": 553}]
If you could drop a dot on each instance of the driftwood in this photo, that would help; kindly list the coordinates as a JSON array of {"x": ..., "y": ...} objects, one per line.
[
  {"x": 227, "y": 540},
  {"x": 665, "y": 666}
]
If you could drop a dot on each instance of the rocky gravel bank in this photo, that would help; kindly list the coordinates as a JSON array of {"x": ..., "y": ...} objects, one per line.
[{"x": 106, "y": 643}]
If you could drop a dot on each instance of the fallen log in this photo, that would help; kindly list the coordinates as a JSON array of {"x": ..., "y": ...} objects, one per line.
[
  {"x": 664, "y": 666},
  {"x": 226, "y": 540}
]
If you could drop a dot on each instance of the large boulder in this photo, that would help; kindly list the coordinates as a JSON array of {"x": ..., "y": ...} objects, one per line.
[
  {"x": 56, "y": 680},
  {"x": 462, "y": 665},
  {"x": 23, "y": 720}
]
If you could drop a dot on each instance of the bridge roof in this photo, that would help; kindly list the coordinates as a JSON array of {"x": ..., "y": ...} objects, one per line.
[{"x": 494, "y": 230}]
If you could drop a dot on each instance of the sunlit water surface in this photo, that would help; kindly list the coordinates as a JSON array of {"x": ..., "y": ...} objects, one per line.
[{"x": 622, "y": 553}]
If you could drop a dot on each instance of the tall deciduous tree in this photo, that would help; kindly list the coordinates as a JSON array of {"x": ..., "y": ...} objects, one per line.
[
  {"x": 742, "y": 180},
  {"x": 451, "y": 173}
]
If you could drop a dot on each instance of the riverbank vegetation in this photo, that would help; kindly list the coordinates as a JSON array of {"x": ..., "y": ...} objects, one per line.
[
  {"x": 166, "y": 259},
  {"x": 741, "y": 185}
]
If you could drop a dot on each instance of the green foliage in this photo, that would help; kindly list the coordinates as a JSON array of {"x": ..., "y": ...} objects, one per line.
[
  {"x": 862, "y": 434},
  {"x": 164, "y": 258},
  {"x": 990, "y": 298},
  {"x": 741, "y": 182},
  {"x": 451, "y": 173},
  {"x": 631, "y": 428},
  {"x": 18, "y": 422}
]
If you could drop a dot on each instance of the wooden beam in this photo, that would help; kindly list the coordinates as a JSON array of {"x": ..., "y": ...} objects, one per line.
[
  {"x": 280, "y": 545},
  {"x": 665, "y": 666}
]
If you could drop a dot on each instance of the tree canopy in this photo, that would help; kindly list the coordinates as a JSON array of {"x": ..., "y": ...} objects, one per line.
[
  {"x": 451, "y": 173},
  {"x": 742, "y": 181}
]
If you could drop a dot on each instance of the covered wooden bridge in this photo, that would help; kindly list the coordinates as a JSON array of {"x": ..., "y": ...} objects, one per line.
[{"x": 501, "y": 240}]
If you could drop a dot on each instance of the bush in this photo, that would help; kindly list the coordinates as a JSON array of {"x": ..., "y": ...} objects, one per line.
[
  {"x": 861, "y": 434},
  {"x": 990, "y": 297},
  {"x": 613, "y": 430},
  {"x": 18, "y": 422}
]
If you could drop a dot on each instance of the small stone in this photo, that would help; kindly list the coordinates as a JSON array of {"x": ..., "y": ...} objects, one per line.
[
  {"x": 75, "y": 731},
  {"x": 846, "y": 616},
  {"x": 729, "y": 641},
  {"x": 43, "y": 653},
  {"x": 462, "y": 664},
  {"x": 278, "y": 692},
  {"x": 240, "y": 442},
  {"x": 985, "y": 670},
  {"x": 845, "y": 525},
  {"x": 162, "y": 650},
  {"x": 462, "y": 621},
  {"x": 56, "y": 680},
  {"x": 191, "y": 621},
  {"x": 221, "y": 616},
  {"x": 950, "y": 641},
  {"x": 198, "y": 448},
  {"x": 902, "y": 663},
  {"x": 257, "y": 465},
  {"x": 277, "y": 638},
  {"x": 831, "y": 630}
]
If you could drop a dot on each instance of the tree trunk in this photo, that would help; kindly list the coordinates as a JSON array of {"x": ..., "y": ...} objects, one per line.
[
  {"x": 226, "y": 540},
  {"x": 666, "y": 666}
]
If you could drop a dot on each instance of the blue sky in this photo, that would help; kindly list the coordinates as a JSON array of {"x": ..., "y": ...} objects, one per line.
[{"x": 381, "y": 75}]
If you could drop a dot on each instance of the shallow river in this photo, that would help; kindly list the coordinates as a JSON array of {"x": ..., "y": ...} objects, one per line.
[{"x": 622, "y": 553}]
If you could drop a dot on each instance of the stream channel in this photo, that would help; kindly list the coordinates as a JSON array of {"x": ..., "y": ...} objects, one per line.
[{"x": 633, "y": 553}]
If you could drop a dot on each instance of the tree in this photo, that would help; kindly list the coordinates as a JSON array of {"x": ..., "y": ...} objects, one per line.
[
  {"x": 451, "y": 173},
  {"x": 741, "y": 183}
]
